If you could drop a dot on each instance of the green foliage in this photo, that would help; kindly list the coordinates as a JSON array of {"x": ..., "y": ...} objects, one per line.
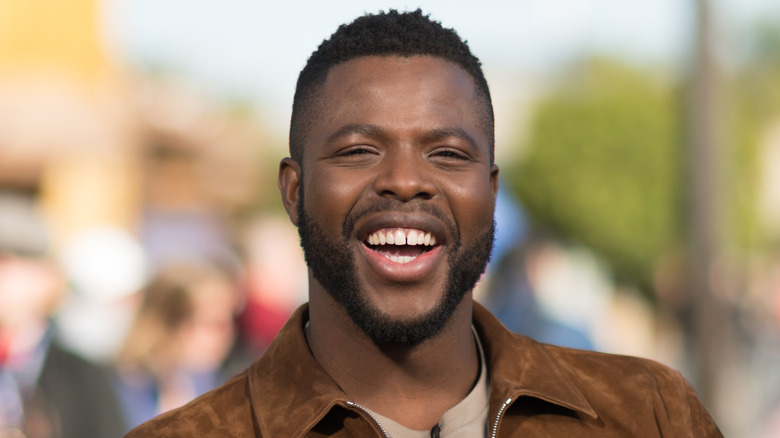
[
  {"x": 755, "y": 105},
  {"x": 606, "y": 156},
  {"x": 605, "y": 166}
]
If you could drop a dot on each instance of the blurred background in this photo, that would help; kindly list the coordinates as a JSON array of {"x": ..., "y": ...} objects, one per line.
[{"x": 141, "y": 233}]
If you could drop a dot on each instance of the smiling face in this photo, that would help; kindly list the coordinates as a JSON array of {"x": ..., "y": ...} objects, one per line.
[{"x": 395, "y": 210}]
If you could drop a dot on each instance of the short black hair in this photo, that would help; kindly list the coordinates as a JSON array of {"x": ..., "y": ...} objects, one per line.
[{"x": 389, "y": 33}]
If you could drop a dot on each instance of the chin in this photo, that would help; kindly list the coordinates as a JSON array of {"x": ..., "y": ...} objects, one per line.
[{"x": 403, "y": 328}]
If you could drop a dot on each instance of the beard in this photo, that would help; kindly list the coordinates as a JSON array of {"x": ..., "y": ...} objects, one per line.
[{"x": 333, "y": 266}]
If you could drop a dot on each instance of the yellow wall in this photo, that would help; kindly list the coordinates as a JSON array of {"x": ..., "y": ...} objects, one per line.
[
  {"x": 54, "y": 67},
  {"x": 51, "y": 35}
]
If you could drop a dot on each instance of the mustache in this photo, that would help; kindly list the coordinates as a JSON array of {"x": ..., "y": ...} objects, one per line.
[{"x": 386, "y": 205}]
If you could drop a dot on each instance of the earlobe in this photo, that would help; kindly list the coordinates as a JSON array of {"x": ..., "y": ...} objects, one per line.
[{"x": 289, "y": 187}]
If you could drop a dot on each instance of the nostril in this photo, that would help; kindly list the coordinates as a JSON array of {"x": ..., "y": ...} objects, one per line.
[{"x": 407, "y": 195}]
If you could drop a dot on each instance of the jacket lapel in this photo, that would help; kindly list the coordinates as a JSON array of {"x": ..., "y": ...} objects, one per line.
[
  {"x": 519, "y": 366},
  {"x": 290, "y": 391}
]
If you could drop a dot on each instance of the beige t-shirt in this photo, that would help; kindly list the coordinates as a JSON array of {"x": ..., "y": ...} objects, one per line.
[{"x": 467, "y": 419}]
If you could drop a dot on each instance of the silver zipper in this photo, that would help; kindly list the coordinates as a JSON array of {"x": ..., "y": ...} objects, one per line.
[
  {"x": 498, "y": 416},
  {"x": 370, "y": 415}
]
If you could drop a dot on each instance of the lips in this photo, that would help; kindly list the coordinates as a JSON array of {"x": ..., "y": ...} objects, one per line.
[{"x": 400, "y": 245}]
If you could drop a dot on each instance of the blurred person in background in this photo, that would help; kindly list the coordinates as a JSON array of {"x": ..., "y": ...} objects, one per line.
[
  {"x": 45, "y": 390},
  {"x": 511, "y": 296},
  {"x": 276, "y": 280},
  {"x": 180, "y": 341}
]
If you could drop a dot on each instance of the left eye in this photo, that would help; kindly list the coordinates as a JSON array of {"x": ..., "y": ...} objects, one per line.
[
  {"x": 357, "y": 152},
  {"x": 449, "y": 153}
]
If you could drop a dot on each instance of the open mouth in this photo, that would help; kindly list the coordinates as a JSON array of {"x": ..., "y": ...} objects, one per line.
[{"x": 400, "y": 245}]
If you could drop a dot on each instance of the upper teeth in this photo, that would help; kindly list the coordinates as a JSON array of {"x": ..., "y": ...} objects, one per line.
[{"x": 401, "y": 236}]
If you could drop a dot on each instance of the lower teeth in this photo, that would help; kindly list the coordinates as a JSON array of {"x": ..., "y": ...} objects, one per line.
[{"x": 400, "y": 259}]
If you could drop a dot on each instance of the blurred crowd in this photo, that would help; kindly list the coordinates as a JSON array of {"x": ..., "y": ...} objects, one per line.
[{"x": 82, "y": 357}]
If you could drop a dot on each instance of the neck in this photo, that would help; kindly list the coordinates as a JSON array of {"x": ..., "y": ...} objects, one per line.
[{"x": 413, "y": 385}]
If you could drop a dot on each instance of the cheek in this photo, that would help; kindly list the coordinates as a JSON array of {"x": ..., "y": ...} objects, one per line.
[
  {"x": 473, "y": 202},
  {"x": 331, "y": 194}
]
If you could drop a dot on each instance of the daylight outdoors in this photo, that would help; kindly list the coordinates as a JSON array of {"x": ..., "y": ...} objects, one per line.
[{"x": 639, "y": 211}]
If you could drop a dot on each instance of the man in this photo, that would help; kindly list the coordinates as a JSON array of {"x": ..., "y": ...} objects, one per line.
[
  {"x": 45, "y": 390},
  {"x": 392, "y": 185}
]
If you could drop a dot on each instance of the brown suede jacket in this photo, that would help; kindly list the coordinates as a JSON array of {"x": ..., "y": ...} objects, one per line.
[{"x": 536, "y": 390}]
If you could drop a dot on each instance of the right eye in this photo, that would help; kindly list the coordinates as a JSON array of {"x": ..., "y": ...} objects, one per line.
[
  {"x": 356, "y": 151},
  {"x": 355, "y": 156}
]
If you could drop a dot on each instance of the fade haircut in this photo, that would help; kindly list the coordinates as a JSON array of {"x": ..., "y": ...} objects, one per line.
[{"x": 384, "y": 34}]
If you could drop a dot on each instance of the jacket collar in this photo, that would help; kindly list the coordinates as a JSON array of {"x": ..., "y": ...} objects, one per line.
[
  {"x": 520, "y": 366},
  {"x": 291, "y": 392}
]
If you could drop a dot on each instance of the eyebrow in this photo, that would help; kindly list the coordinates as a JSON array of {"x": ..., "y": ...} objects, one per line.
[
  {"x": 445, "y": 133},
  {"x": 431, "y": 136}
]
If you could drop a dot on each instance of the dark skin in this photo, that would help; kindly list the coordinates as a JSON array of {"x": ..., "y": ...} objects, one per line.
[{"x": 405, "y": 129}]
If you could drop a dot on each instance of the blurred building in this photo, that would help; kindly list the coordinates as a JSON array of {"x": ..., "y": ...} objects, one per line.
[
  {"x": 65, "y": 129},
  {"x": 82, "y": 134},
  {"x": 130, "y": 170}
]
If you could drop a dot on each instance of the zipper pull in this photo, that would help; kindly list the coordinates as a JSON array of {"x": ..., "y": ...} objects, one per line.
[{"x": 436, "y": 431}]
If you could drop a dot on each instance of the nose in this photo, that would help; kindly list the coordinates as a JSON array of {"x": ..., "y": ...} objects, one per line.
[{"x": 404, "y": 176}]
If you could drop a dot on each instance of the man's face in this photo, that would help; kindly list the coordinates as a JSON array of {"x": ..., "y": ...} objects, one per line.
[{"x": 396, "y": 207}]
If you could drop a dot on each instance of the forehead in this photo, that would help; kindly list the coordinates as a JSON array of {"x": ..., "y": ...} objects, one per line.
[
  {"x": 377, "y": 69},
  {"x": 429, "y": 77},
  {"x": 401, "y": 92}
]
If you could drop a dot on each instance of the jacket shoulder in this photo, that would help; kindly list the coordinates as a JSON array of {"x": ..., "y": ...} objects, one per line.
[
  {"x": 617, "y": 384},
  {"x": 224, "y": 411},
  {"x": 621, "y": 373}
]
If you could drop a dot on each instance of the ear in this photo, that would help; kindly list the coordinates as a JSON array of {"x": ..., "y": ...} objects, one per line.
[
  {"x": 289, "y": 182},
  {"x": 494, "y": 179}
]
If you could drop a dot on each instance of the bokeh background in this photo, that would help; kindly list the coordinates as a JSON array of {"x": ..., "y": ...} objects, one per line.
[{"x": 639, "y": 146}]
